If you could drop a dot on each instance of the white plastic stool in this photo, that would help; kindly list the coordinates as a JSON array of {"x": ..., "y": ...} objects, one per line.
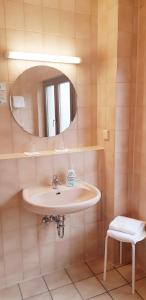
[{"x": 139, "y": 235}]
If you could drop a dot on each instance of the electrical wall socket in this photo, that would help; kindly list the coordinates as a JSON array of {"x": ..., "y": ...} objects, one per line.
[{"x": 106, "y": 134}]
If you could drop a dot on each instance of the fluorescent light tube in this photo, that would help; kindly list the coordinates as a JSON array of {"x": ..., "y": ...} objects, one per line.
[{"x": 43, "y": 57}]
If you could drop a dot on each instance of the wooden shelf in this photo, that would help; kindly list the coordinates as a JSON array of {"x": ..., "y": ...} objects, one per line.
[{"x": 30, "y": 154}]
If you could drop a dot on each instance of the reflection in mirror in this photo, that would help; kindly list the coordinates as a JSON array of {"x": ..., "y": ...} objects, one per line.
[{"x": 43, "y": 101}]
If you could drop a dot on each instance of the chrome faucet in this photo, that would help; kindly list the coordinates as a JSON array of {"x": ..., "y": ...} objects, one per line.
[{"x": 55, "y": 182}]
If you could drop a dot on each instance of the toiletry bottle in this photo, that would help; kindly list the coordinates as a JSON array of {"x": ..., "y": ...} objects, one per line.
[{"x": 71, "y": 178}]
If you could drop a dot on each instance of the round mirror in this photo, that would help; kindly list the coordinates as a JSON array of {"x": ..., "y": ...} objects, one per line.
[{"x": 43, "y": 101}]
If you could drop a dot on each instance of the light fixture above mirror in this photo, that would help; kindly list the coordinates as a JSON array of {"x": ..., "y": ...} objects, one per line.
[{"x": 17, "y": 55}]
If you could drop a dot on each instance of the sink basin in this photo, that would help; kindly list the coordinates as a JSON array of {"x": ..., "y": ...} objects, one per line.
[{"x": 44, "y": 200}]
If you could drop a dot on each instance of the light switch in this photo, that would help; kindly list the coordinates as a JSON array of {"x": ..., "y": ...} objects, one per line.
[
  {"x": 3, "y": 92},
  {"x": 3, "y": 86},
  {"x": 106, "y": 134}
]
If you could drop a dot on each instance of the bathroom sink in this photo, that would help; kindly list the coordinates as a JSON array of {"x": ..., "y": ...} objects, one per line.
[{"x": 64, "y": 200}]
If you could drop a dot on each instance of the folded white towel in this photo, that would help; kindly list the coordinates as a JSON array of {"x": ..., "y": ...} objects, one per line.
[
  {"x": 125, "y": 237},
  {"x": 127, "y": 225}
]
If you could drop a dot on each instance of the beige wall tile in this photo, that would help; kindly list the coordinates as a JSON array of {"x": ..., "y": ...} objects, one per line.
[
  {"x": 51, "y": 4},
  {"x": 33, "y": 2},
  {"x": 10, "y": 292},
  {"x": 10, "y": 219},
  {"x": 32, "y": 18},
  {"x": 67, "y": 5},
  {"x": 33, "y": 42},
  {"x": 47, "y": 257},
  {"x": 83, "y": 7},
  {"x": 82, "y": 26},
  {"x": 31, "y": 263},
  {"x": 125, "y": 24},
  {"x": 51, "y": 21},
  {"x": 67, "y": 23},
  {"x": 2, "y": 15},
  {"x": 15, "y": 39},
  {"x": 13, "y": 20},
  {"x": 26, "y": 172}
]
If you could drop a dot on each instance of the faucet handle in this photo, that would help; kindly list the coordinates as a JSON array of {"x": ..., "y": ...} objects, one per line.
[{"x": 55, "y": 177}]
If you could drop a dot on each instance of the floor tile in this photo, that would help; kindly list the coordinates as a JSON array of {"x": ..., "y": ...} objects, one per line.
[
  {"x": 79, "y": 271},
  {"x": 10, "y": 293},
  {"x": 124, "y": 293},
  {"x": 141, "y": 287},
  {"x": 102, "y": 297},
  {"x": 114, "y": 280},
  {"x": 45, "y": 296},
  {"x": 89, "y": 287},
  {"x": 97, "y": 265},
  {"x": 57, "y": 279},
  {"x": 67, "y": 292},
  {"x": 33, "y": 287},
  {"x": 126, "y": 272}
]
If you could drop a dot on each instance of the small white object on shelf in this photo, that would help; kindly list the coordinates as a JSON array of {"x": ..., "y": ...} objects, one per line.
[{"x": 35, "y": 153}]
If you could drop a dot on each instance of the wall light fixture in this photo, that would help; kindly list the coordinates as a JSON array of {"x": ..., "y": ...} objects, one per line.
[{"x": 43, "y": 57}]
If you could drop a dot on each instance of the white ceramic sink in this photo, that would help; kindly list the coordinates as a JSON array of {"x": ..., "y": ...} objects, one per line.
[{"x": 64, "y": 200}]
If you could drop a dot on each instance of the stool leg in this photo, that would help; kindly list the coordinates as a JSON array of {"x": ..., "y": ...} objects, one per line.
[
  {"x": 105, "y": 258},
  {"x": 120, "y": 253},
  {"x": 133, "y": 268}
]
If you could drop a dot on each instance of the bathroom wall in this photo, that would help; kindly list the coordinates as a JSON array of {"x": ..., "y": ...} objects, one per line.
[
  {"x": 116, "y": 84},
  {"x": 137, "y": 187},
  {"x": 62, "y": 27},
  {"x": 28, "y": 247},
  {"x": 106, "y": 85},
  {"x": 125, "y": 97}
]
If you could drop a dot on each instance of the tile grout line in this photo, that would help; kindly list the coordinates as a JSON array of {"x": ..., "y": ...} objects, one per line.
[
  {"x": 114, "y": 268},
  {"x": 129, "y": 283},
  {"x": 95, "y": 275},
  {"x": 43, "y": 293},
  {"x": 121, "y": 274},
  {"x": 20, "y": 290},
  {"x": 73, "y": 283},
  {"x": 130, "y": 287},
  {"x": 47, "y": 287}
]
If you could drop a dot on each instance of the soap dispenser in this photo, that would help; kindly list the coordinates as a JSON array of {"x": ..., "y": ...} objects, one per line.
[{"x": 71, "y": 178}]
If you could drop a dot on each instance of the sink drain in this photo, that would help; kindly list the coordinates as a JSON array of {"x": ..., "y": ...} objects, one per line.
[{"x": 57, "y": 219}]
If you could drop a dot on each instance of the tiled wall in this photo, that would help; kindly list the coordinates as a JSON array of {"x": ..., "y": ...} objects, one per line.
[
  {"x": 125, "y": 93},
  {"x": 137, "y": 188},
  {"x": 54, "y": 27},
  {"x": 27, "y": 247},
  {"x": 116, "y": 81},
  {"x": 106, "y": 86}
]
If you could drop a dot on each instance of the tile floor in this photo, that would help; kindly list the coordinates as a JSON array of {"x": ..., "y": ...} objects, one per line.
[{"x": 80, "y": 282}]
